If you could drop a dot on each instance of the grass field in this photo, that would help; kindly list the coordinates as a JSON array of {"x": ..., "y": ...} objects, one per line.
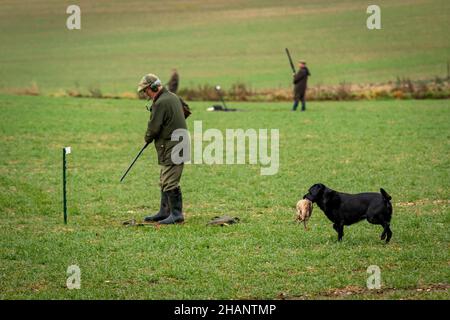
[
  {"x": 218, "y": 42},
  {"x": 402, "y": 146}
]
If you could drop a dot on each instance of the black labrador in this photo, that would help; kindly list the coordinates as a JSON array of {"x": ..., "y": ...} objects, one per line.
[{"x": 346, "y": 209}]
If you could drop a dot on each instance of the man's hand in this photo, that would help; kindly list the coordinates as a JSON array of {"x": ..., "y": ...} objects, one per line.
[{"x": 147, "y": 139}]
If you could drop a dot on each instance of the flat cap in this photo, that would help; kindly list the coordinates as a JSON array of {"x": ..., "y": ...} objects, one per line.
[{"x": 146, "y": 81}]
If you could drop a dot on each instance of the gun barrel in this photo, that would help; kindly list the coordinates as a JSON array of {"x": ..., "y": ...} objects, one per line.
[{"x": 290, "y": 60}]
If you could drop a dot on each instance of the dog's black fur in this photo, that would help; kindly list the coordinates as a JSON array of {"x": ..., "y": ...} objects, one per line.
[{"x": 346, "y": 209}]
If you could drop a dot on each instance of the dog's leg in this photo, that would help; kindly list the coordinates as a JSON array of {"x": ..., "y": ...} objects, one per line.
[
  {"x": 383, "y": 234},
  {"x": 388, "y": 232},
  {"x": 304, "y": 224},
  {"x": 339, "y": 227},
  {"x": 377, "y": 219},
  {"x": 340, "y": 232},
  {"x": 335, "y": 227}
]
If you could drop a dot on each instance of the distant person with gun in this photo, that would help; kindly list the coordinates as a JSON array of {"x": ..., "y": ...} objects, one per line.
[
  {"x": 166, "y": 116},
  {"x": 172, "y": 85},
  {"x": 300, "y": 81}
]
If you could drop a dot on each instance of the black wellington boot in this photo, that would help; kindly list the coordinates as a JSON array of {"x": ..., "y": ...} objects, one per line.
[
  {"x": 163, "y": 212},
  {"x": 176, "y": 207}
]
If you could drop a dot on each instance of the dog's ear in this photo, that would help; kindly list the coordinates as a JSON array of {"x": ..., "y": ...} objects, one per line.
[
  {"x": 321, "y": 188},
  {"x": 316, "y": 189},
  {"x": 331, "y": 198}
]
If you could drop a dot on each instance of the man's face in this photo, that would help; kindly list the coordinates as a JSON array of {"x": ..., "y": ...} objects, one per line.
[{"x": 148, "y": 93}]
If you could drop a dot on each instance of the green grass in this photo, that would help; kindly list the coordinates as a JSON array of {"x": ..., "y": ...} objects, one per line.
[
  {"x": 402, "y": 146},
  {"x": 218, "y": 42}
]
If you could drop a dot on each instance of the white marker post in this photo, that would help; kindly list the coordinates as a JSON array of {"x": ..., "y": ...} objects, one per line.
[{"x": 66, "y": 150}]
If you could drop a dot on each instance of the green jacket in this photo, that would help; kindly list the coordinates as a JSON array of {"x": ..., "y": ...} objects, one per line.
[{"x": 167, "y": 116}]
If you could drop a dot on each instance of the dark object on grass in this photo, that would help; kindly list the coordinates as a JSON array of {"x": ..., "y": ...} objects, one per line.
[
  {"x": 346, "y": 209},
  {"x": 134, "y": 223},
  {"x": 223, "y": 221},
  {"x": 219, "y": 107},
  {"x": 131, "y": 222}
]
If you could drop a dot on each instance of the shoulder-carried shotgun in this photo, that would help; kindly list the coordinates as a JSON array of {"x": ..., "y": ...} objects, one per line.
[{"x": 290, "y": 60}]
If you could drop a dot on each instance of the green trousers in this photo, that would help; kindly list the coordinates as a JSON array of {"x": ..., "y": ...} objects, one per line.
[{"x": 170, "y": 176}]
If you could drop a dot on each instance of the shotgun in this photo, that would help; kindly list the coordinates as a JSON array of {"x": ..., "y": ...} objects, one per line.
[
  {"x": 123, "y": 177},
  {"x": 290, "y": 60}
]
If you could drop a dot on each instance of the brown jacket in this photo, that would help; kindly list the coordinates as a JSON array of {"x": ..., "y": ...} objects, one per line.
[
  {"x": 300, "y": 82},
  {"x": 173, "y": 82}
]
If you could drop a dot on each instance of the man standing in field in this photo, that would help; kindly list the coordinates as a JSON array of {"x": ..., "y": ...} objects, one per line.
[
  {"x": 174, "y": 81},
  {"x": 300, "y": 81},
  {"x": 166, "y": 117}
]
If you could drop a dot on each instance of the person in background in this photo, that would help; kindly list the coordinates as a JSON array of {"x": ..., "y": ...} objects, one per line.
[
  {"x": 300, "y": 81},
  {"x": 172, "y": 85}
]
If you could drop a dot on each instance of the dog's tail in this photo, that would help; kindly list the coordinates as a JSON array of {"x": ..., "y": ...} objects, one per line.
[{"x": 385, "y": 195}]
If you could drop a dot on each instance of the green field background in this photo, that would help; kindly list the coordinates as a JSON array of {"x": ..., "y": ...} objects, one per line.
[
  {"x": 218, "y": 42},
  {"x": 402, "y": 146}
]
